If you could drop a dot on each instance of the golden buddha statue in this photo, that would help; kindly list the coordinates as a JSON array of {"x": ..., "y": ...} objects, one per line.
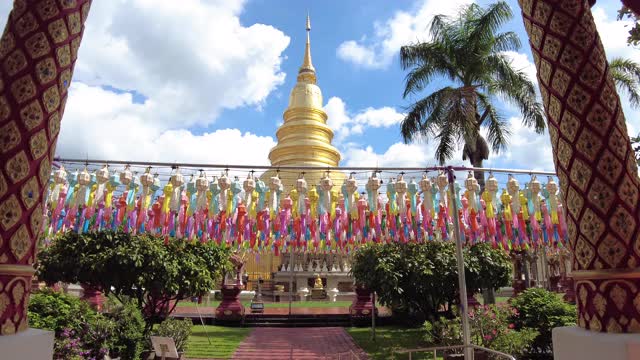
[{"x": 318, "y": 283}]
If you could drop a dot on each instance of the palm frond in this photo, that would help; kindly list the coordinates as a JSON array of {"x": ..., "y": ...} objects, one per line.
[
  {"x": 446, "y": 143},
  {"x": 485, "y": 26},
  {"x": 425, "y": 115},
  {"x": 515, "y": 87},
  {"x": 426, "y": 61},
  {"x": 498, "y": 131},
  {"x": 626, "y": 76},
  {"x": 438, "y": 28},
  {"x": 508, "y": 41}
]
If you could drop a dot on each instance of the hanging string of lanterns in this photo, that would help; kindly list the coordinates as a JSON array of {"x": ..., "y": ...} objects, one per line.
[{"x": 256, "y": 215}]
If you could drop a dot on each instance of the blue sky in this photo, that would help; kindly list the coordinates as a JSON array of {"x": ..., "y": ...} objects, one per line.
[{"x": 207, "y": 81}]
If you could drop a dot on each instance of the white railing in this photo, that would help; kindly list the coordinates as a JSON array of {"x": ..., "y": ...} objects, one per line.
[
  {"x": 346, "y": 355},
  {"x": 435, "y": 350}
]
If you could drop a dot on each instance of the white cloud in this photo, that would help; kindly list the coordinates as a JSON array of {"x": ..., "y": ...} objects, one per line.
[
  {"x": 344, "y": 125},
  {"x": 190, "y": 60},
  {"x": 418, "y": 154},
  {"x": 401, "y": 29},
  {"x": 521, "y": 62},
  {"x": 117, "y": 129},
  {"x": 352, "y": 51},
  {"x": 614, "y": 35},
  {"x": 527, "y": 150}
]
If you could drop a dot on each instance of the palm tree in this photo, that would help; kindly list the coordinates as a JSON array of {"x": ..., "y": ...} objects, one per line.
[
  {"x": 468, "y": 51},
  {"x": 626, "y": 75}
]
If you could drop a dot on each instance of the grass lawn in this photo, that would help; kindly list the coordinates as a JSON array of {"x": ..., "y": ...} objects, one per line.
[
  {"x": 224, "y": 341},
  {"x": 388, "y": 339},
  {"x": 295, "y": 304}
]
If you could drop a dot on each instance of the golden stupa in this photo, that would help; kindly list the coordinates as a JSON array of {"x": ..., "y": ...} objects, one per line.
[{"x": 304, "y": 139}]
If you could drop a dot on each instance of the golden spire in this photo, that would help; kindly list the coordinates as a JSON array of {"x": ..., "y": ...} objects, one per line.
[
  {"x": 304, "y": 139},
  {"x": 307, "y": 72}
]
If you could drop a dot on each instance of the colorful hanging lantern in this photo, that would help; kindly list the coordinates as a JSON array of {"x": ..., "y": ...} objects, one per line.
[{"x": 373, "y": 185}]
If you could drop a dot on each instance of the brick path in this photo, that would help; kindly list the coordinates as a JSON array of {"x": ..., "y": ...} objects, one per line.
[
  {"x": 208, "y": 310},
  {"x": 297, "y": 343}
]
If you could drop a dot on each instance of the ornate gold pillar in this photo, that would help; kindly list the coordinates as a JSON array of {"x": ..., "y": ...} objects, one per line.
[
  {"x": 38, "y": 50},
  {"x": 594, "y": 161}
]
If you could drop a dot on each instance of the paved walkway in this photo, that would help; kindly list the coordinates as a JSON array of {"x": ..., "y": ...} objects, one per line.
[
  {"x": 207, "y": 310},
  {"x": 297, "y": 343}
]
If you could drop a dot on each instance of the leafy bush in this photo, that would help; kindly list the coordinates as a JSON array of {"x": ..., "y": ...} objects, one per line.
[
  {"x": 80, "y": 331},
  {"x": 422, "y": 279},
  {"x": 56, "y": 311},
  {"x": 490, "y": 327},
  {"x": 542, "y": 310},
  {"x": 67, "y": 346},
  {"x": 418, "y": 279},
  {"x": 128, "y": 338},
  {"x": 141, "y": 267},
  {"x": 178, "y": 330},
  {"x": 97, "y": 338}
]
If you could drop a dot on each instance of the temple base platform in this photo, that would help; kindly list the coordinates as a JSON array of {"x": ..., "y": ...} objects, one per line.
[
  {"x": 571, "y": 342},
  {"x": 33, "y": 344}
]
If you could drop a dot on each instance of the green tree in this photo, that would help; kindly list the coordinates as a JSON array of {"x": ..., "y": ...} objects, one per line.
[
  {"x": 139, "y": 267},
  {"x": 542, "y": 310},
  {"x": 469, "y": 52},
  {"x": 626, "y": 76},
  {"x": 635, "y": 143},
  {"x": 487, "y": 269},
  {"x": 421, "y": 280},
  {"x": 634, "y": 31}
]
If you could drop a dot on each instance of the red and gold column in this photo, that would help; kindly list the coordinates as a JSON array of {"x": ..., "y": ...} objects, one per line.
[
  {"x": 38, "y": 50},
  {"x": 594, "y": 161}
]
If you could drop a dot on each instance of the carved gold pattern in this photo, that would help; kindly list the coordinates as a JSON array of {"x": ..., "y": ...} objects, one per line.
[
  {"x": 594, "y": 161},
  {"x": 20, "y": 243},
  {"x": 37, "y": 45},
  {"x": 612, "y": 250},
  {"x": 8, "y": 328},
  {"x": 619, "y": 296},
  {"x": 4, "y": 302},
  {"x": 613, "y": 326},
  {"x": 32, "y": 115},
  {"x": 36, "y": 221},
  {"x": 622, "y": 223},
  {"x": 10, "y": 212},
  {"x": 44, "y": 171},
  {"x": 15, "y": 62},
  {"x": 9, "y": 137},
  {"x": 595, "y": 324},
  {"x": 599, "y": 302},
  {"x": 38, "y": 144},
  {"x": 23, "y": 89},
  {"x": 17, "y": 168},
  {"x": 591, "y": 226},
  {"x": 580, "y": 174}
]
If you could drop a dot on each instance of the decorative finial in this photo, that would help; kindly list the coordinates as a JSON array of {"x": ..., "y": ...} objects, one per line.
[{"x": 307, "y": 72}]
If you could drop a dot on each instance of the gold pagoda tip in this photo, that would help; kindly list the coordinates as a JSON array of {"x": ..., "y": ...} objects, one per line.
[{"x": 307, "y": 70}]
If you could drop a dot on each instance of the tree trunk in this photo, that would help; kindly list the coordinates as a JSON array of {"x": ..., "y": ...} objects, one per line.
[
  {"x": 479, "y": 175},
  {"x": 38, "y": 50}
]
